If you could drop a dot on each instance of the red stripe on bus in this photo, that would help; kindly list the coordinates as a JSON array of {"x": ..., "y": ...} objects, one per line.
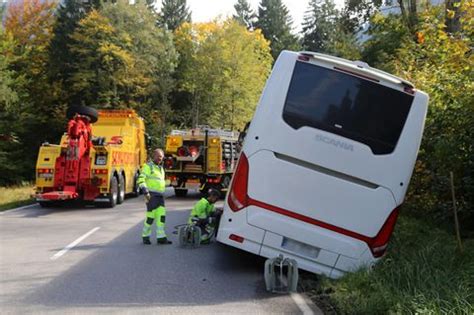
[{"x": 309, "y": 220}]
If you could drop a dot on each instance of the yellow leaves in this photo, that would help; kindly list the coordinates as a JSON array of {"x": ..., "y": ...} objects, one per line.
[
  {"x": 442, "y": 35},
  {"x": 105, "y": 60},
  {"x": 224, "y": 67},
  {"x": 183, "y": 33},
  {"x": 467, "y": 17},
  {"x": 28, "y": 30},
  {"x": 95, "y": 24},
  {"x": 441, "y": 66},
  {"x": 377, "y": 18},
  {"x": 450, "y": 14},
  {"x": 113, "y": 55},
  {"x": 206, "y": 29}
]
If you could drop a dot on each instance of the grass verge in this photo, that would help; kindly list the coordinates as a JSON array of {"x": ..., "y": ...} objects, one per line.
[
  {"x": 423, "y": 273},
  {"x": 16, "y": 196}
]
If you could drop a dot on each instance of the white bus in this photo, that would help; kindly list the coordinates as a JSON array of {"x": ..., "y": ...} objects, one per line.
[{"x": 325, "y": 164}]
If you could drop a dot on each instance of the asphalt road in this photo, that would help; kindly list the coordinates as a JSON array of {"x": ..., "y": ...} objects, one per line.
[{"x": 109, "y": 270}]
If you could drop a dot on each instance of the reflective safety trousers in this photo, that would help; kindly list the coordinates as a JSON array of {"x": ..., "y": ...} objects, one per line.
[{"x": 157, "y": 215}]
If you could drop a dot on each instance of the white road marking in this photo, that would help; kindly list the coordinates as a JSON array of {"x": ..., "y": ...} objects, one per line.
[
  {"x": 70, "y": 246},
  {"x": 20, "y": 208},
  {"x": 301, "y": 303}
]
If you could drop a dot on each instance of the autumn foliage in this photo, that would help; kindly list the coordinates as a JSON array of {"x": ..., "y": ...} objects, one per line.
[{"x": 30, "y": 21}]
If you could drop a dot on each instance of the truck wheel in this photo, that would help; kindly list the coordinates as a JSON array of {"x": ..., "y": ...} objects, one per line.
[
  {"x": 83, "y": 110},
  {"x": 180, "y": 192},
  {"x": 113, "y": 195},
  {"x": 136, "y": 188},
  {"x": 121, "y": 189}
]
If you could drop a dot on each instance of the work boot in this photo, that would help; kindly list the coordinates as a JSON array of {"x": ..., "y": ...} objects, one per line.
[
  {"x": 163, "y": 241},
  {"x": 146, "y": 240}
]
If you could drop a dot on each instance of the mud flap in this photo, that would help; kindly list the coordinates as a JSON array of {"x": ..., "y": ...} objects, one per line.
[{"x": 276, "y": 281}]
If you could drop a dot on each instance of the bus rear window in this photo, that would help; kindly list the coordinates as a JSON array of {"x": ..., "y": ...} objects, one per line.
[{"x": 346, "y": 105}]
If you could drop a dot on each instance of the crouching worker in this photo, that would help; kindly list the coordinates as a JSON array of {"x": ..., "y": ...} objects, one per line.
[
  {"x": 152, "y": 184},
  {"x": 205, "y": 216}
]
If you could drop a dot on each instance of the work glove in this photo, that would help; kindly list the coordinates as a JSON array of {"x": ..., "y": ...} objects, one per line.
[
  {"x": 202, "y": 222},
  {"x": 146, "y": 193}
]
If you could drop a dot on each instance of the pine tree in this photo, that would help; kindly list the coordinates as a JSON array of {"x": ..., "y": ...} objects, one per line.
[
  {"x": 319, "y": 22},
  {"x": 244, "y": 15},
  {"x": 275, "y": 22},
  {"x": 327, "y": 30},
  {"x": 357, "y": 13},
  {"x": 68, "y": 15},
  {"x": 173, "y": 14}
]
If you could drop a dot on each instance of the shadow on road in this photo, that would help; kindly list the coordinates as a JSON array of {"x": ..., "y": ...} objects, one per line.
[{"x": 126, "y": 272}]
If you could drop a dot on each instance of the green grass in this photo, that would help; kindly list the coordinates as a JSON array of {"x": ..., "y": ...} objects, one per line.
[
  {"x": 12, "y": 197},
  {"x": 423, "y": 273}
]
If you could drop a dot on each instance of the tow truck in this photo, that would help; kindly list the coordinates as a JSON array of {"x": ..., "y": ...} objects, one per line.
[{"x": 98, "y": 159}]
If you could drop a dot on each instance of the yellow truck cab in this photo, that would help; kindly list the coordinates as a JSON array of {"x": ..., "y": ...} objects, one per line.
[
  {"x": 100, "y": 163},
  {"x": 200, "y": 158}
]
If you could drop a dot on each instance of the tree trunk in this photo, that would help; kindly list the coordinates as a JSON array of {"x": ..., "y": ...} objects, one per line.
[
  {"x": 409, "y": 13},
  {"x": 452, "y": 22},
  {"x": 232, "y": 113},
  {"x": 455, "y": 210},
  {"x": 403, "y": 10},
  {"x": 413, "y": 13},
  {"x": 194, "y": 110}
]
